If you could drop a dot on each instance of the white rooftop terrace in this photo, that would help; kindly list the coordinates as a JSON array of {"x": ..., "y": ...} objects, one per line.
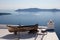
[{"x": 6, "y": 35}]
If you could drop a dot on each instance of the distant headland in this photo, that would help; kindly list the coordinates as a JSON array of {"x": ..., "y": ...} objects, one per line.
[
  {"x": 5, "y": 13},
  {"x": 36, "y": 10}
]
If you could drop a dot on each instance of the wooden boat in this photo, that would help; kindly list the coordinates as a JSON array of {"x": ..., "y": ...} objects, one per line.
[{"x": 15, "y": 29}]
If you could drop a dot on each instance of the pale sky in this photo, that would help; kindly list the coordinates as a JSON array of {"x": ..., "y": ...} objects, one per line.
[{"x": 19, "y": 4}]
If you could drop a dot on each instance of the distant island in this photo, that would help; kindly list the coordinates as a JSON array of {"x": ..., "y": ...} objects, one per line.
[
  {"x": 5, "y": 13},
  {"x": 36, "y": 10}
]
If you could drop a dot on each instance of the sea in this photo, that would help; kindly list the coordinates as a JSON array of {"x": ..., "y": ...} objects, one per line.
[{"x": 29, "y": 18}]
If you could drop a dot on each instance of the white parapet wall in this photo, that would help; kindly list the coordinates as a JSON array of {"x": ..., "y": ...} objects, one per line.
[{"x": 51, "y": 36}]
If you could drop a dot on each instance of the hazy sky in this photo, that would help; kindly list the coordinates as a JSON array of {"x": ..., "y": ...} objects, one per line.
[{"x": 15, "y": 4}]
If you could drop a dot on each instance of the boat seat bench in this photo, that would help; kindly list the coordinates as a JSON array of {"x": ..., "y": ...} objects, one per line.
[{"x": 30, "y": 28}]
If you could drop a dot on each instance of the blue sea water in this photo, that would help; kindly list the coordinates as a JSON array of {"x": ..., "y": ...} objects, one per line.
[{"x": 28, "y": 18}]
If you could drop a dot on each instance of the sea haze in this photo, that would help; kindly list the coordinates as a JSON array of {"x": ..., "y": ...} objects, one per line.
[{"x": 28, "y": 18}]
